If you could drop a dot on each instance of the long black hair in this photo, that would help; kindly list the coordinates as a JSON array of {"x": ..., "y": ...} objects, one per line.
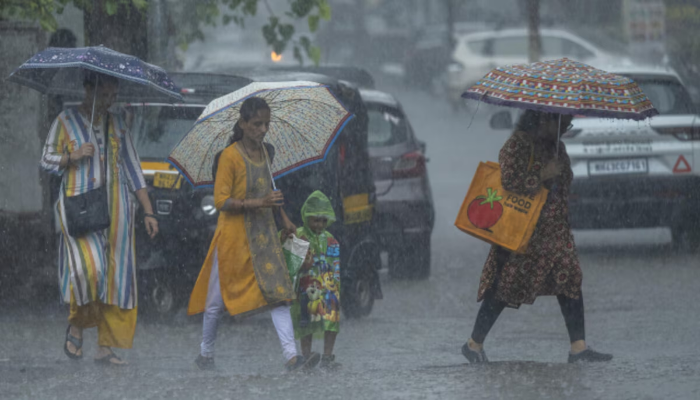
[{"x": 249, "y": 109}]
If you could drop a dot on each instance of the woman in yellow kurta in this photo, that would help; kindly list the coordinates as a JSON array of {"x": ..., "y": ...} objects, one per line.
[{"x": 245, "y": 271}]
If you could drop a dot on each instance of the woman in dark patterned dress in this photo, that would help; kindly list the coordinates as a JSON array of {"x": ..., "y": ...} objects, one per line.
[{"x": 550, "y": 267}]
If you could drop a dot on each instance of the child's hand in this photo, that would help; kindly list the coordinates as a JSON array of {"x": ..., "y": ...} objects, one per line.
[{"x": 308, "y": 262}]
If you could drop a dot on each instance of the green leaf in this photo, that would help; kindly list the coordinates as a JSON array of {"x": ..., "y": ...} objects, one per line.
[
  {"x": 298, "y": 56},
  {"x": 279, "y": 46},
  {"x": 305, "y": 43},
  {"x": 48, "y": 23},
  {"x": 269, "y": 34},
  {"x": 140, "y": 4},
  {"x": 324, "y": 9},
  {"x": 111, "y": 7},
  {"x": 250, "y": 7},
  {"x": 287, "y": 31},
  {"x": 313, "y": 22},
  {"x": 302, "y": 8},
  {"x": 315, "y": 55}
]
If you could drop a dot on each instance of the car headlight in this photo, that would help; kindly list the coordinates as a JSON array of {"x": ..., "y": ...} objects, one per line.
[{"x": 208, "y": 206}]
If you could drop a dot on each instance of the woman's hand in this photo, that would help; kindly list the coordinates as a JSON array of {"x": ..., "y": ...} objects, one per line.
[
  {"x": 151, "y": 225},
  {"x": 273, "y": 199},
  {"x": 85, "y": 151},
  {"x": 551, "y": 170}
]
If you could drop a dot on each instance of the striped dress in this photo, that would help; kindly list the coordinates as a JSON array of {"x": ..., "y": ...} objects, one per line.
[{"x": 100, "y": 266}]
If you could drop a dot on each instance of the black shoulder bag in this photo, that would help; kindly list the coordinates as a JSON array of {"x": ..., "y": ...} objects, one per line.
[{"x": 89, "y": 212}]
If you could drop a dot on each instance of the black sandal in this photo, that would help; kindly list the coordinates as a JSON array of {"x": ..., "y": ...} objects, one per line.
[
  {"x": 107, "y": 360},
  {"x": 78, "y": 343}
]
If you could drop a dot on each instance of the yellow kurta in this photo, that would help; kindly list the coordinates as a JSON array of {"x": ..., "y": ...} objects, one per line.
[{"x": 240, "y": 288}]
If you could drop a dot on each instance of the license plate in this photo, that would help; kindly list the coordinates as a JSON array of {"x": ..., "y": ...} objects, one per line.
[
  {"x": 618, "y": 148},
  {"x": 167, "y": 181},
  {"x": 616, "y": 167}
]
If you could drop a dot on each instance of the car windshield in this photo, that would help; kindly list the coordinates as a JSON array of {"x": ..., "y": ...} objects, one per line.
[
  {"x": 387, "y": 126},
  {"x": 157, "y": 129},
  {"x": 667, "y": 95}
]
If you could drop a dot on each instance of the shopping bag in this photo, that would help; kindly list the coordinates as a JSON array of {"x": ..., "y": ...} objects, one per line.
[
  {"x": 294, "y": 250},
  {"x": 497, "y": 216}
]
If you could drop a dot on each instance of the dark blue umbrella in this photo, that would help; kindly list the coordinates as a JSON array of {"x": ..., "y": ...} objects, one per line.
[{"x": 56, "y": 71}]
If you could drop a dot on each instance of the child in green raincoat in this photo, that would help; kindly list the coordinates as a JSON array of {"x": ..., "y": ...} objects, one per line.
[{"x": 316, "y": 311}]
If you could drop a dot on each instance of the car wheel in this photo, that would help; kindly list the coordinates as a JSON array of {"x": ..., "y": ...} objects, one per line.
[
  {"x": 411, "y": 260},
  {"x": 357, "y": 297}
]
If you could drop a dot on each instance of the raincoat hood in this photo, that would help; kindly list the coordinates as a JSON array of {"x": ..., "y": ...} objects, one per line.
[{"x": 317, "y": 205}]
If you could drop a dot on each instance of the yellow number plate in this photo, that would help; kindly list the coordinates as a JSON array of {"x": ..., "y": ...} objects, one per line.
[{"x": 167, "y": 181}]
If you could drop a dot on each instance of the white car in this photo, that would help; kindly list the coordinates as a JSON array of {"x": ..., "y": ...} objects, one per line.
[
  {"x": 630, "y": 174},
  {"x": 476, "y": 54}
]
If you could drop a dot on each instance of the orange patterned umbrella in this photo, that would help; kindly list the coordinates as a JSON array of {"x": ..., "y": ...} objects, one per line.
[{"x": 563, "y": 86}]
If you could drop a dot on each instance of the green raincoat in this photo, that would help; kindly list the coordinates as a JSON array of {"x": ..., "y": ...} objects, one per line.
[{"x": 317, "y": 307}]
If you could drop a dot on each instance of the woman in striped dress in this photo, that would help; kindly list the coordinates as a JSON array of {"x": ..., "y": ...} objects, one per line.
[{"x": 97, "y": 271}]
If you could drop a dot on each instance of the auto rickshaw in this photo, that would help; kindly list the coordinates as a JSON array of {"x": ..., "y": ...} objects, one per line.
[{"x": 168, "y": 266}]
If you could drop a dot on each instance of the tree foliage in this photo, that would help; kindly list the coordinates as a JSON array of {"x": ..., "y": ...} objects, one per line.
[{"x": 279, "y": 31}]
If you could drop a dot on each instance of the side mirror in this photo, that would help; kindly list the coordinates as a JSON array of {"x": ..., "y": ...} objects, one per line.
[{"x": 501, "y": 120}]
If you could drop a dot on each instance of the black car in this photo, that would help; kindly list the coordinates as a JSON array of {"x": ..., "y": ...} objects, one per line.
[{"x": 170, "y": 264}]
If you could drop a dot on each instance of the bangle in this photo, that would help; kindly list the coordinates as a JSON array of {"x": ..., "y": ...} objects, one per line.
[{"x": 150, "y": 215}]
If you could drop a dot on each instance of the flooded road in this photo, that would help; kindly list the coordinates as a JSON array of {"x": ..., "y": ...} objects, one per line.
[{"x": 641, "y": 300}]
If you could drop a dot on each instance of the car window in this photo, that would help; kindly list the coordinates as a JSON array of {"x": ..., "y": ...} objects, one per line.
[
  {"x": 477, "y": 46},
  {"x": 552, "y": 46},
  {"x": 510, "y": 46},
  {"x": 668, "y": 96},
  {"x": 387, "y": 127},
  {"x": 156, "y": 130},
  {"x": 575, "y": 50}
]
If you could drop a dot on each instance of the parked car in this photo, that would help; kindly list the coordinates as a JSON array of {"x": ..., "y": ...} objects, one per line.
[
  {"x": 405, "y": 211},
  {"x": 476, "y": 54},
  {"x": 630, "y": 174},
  {"x": 170, "y": 264}
]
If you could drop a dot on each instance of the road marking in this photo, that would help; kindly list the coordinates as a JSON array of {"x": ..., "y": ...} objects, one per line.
[{"x": 678, "y": 169}]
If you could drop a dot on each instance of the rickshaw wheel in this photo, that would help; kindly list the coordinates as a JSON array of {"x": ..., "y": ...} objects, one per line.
[{"x": 162, "y": 300}]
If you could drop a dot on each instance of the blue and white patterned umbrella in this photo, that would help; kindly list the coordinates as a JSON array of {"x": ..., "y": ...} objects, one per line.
[
  {"x": 306, "y": 119},
  {"x": 55, "y": 70}
]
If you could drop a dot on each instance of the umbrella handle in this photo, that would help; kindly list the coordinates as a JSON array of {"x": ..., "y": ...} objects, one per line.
[
  {"x": 92, "y": 117},
  {"x": 558, "y": 135},
  {"x": 269, "y": 168}
]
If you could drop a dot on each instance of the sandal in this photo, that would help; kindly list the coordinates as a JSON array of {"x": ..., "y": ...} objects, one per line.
[
  {"x": 474, "y": 356},
  {"x": 108, "y": 360},
  {"x": 78, "y": 343}
]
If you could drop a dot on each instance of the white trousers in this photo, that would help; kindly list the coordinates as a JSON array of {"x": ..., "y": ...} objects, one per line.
[{"x": 281, "y": 318}]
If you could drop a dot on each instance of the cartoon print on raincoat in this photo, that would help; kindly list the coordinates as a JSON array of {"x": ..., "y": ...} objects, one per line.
[{"x": 317, "y": 308}]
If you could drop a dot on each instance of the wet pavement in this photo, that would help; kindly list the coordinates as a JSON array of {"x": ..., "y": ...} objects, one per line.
[{"x": 641, "y": 300}]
